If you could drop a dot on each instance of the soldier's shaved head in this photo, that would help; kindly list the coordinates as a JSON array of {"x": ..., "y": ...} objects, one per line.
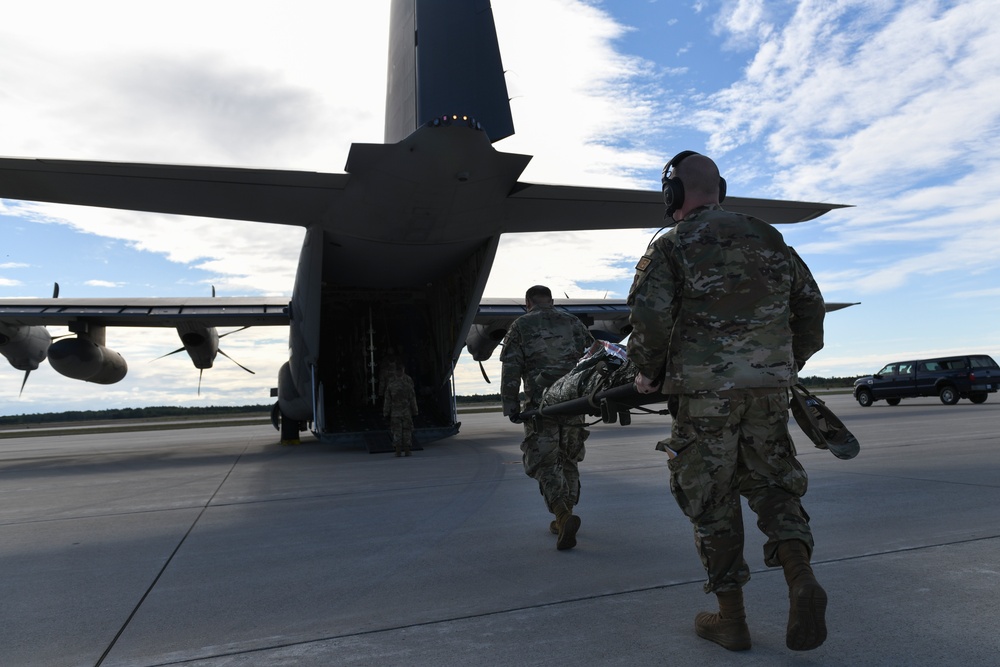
[{"x": 700, "y": 176}]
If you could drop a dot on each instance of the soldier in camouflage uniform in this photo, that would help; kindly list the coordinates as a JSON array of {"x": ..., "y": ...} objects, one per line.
[
  {"x": 540, "y": 347},
  {"x": 724, "y": 316},
  {"x": 400, "y": 407}
]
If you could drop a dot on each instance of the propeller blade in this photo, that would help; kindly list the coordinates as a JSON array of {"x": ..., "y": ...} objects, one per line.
[
  {"x": 23, "y": 382},
  {"x": 482, "y": 369},
  {"x": 180, "y": 349},
  {"x": 233, "y": 331},
  {"x": 236, "y": 362},
  {"x": 200, "y": 372}
]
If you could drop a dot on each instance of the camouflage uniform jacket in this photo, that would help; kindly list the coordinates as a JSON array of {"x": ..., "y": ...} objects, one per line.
[
  {"x": 720, "y": 302},
  {"x": 540, "y": 347},
  {"x": 400, "y": 398}
]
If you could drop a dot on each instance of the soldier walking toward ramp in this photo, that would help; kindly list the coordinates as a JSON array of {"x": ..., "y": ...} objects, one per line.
[
  {"x": 400, "y": 407},
  {"x": 540, "y": 347},
  {"x": 724, "y": 315}
]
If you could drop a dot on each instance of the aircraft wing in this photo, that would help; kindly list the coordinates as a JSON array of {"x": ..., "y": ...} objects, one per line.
[
  {"x": 534, "y": 207},
  {"x": 261, "y": 195},
  {"x": 259, "y": 311},
  {"x": 151, "y": 312},
  {"x": 598, "y": 309},
  {"x": 832, "y": 305},
  {"x": 607, "y": 319},
  {"x": 498, "y": 310},
  {"x": 493, "y": 315}
]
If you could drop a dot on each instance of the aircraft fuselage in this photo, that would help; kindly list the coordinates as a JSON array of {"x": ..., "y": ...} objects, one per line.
[{"x": 396, "y": 269}]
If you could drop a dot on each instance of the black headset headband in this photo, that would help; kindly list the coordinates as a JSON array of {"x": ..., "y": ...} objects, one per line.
[{"x": 680, "y": 157}]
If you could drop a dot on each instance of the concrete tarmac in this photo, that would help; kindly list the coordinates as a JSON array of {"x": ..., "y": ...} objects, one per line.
[{"x": 217, "y": 547}]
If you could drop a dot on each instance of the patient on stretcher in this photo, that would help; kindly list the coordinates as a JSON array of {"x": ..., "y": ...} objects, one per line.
[{"x": 604, "y": 366}]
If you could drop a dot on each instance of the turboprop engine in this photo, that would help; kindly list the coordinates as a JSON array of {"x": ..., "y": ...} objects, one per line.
[
  {"x": 201, "y": 343},
  {"x": 483, "y": 339},
  {"x": 25, "y": 347},
  {"x": 86, "y": 358}
]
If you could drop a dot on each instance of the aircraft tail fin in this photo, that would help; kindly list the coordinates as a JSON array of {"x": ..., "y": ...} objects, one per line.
[{"x": 444, "y": 59}]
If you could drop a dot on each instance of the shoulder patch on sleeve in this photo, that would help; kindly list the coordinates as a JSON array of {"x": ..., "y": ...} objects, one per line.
[{"x": 643, "y": 263}]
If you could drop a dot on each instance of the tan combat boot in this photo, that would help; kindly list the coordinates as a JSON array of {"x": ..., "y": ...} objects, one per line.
[
  {"x": 807, "y": 599},
  {"x": 727, "y": 628},
  {"x": 568, "y": 524}
]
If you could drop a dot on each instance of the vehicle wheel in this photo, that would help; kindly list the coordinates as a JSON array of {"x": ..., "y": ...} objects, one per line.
[
  {"x": 865, "y": 398},
  {"x": 892, "y": 401},
  {"x": 948, "y": 395},
  {"x": 978, "y": 397}
]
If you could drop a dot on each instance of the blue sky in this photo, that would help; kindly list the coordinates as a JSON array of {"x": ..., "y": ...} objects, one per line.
[{"x": 893, "y": 107}]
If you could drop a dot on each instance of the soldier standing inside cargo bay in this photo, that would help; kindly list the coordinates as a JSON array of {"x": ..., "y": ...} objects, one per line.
[
  {"x": 724, "y": 316},
  {"x": 540, "y": 347},
  {"x": 400, "y": 407}
]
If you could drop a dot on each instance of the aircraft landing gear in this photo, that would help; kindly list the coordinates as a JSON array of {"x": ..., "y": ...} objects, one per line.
[{"x": 289, "y": 428}]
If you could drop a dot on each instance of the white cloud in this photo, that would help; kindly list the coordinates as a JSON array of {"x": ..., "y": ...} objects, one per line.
[
  {"x": 895, "y": 109},
  {"x": 848, "y": 91},
  {"x": 744, "y": 21},
  {"x": 568, "y": 263},
  {"x": 577, "y": 98},
  {"x": 229, "y": 87}
]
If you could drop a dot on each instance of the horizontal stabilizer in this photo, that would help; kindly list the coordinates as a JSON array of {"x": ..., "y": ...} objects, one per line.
[
  {"x": 260, "y": 195},
  {"x": 556, "y": 208}
]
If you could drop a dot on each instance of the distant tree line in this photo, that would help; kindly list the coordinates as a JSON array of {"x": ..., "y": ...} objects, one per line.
[
  {"x": 478, "y": 398},
  {"x": 813, "y": 381},
  {"x": 176, "y": 411},
  {"x": 829, "y": 383},
  {"x": 131, "y": 413}
]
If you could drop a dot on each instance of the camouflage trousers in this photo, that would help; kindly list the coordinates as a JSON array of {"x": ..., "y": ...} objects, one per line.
[
  {"x": 401, "y": 428},
  {"x": 730, "y": 444},
  {"x": 551, "y": 451}
]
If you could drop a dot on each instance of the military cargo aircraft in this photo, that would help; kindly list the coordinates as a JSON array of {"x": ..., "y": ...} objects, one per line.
[{"x": 397, "y": 249}]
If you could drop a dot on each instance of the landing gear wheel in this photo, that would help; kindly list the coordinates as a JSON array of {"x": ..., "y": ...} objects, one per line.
[
  {"x": 289, "y": 428},
  {"x": 276, "y": 417},
  {"x": 978, "y": 397},
  {"x": 892, "y": 401}
]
